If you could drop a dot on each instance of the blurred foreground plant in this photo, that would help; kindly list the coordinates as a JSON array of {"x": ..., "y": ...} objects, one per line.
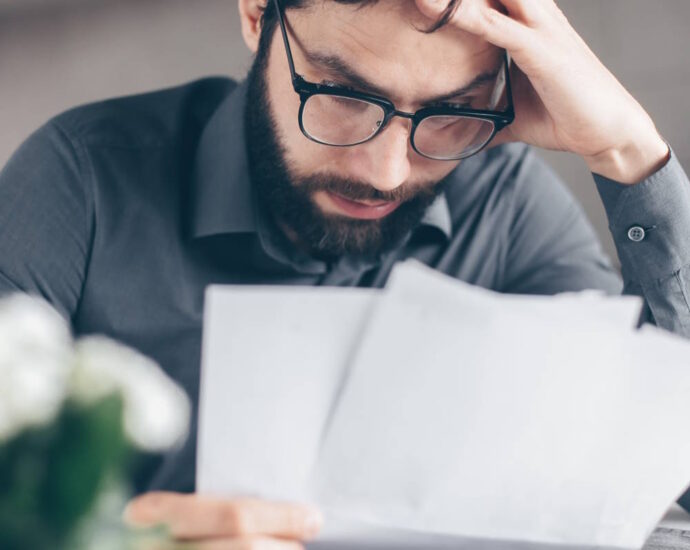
[{"x": 73, "y": 415}]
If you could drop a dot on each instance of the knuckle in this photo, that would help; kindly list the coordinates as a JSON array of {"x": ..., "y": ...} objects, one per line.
[
  {"x": 258, "y": 543},
  {"x": 246, "y": 543},
  {"x": 475, "y": 20},
  {"x": 147, "y": 508},
  {"x": 489, "y": 19},
  {"x": 241, "y": 543},
  {"x": 230, "y": 518},
  {"x": 153, "y": 500},
  {"x": 295, "y": 521},
  {"x": 466, "y": 12}
]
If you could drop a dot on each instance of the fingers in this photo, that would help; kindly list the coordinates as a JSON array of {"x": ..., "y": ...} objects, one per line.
[
  {"x": 481, "y": 18},
  {"x": 529, "y": 12},
  {"x": 248, "y": 543},
  {"x": 192, "y": 517}
]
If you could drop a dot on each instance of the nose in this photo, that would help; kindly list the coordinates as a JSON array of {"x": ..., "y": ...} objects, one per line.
[{"x": 387, "y": 156}]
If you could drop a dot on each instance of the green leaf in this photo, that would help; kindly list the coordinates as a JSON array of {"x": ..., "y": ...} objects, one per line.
[{"x": 50, "y": 477}]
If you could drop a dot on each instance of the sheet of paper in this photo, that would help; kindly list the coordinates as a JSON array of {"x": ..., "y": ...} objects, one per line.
[
  {"x": 273, "y": 361},
  {"x": 587, "y": 307},
  {"x": 464, "y": 418}
]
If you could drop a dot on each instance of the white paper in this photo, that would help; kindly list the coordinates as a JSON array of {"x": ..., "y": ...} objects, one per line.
[
  {"x": 459, "y": 421},
  {"x": 273, "y": 361},
  {"x": 440, "y": 415},
  {"x": 587, "y": 307}
]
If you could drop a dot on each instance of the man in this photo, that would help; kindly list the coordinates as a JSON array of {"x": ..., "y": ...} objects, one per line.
[{"x": 358, "y": 140}]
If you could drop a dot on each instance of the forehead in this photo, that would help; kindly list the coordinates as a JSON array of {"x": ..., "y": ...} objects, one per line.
[{"x": 385, "y": 43}]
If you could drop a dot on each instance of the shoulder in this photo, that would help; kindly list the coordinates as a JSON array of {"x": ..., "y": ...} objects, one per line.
[
  {"x": 501, "y": 163},
  {"x": 153, "y": 119},
  {"x": 96, "y": 145}
]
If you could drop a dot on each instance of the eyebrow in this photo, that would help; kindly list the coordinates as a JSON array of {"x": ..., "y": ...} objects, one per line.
[{"x": 336, "y": 65}]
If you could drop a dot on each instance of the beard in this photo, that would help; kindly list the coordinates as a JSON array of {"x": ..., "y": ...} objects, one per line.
[{"x": 289, "y": 198}]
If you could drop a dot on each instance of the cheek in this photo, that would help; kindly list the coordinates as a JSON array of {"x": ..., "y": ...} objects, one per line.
[
  {"x": 304, "y": 156},
  {"x": 427, "y": 170},
  {"x": 285, "y": 104}
]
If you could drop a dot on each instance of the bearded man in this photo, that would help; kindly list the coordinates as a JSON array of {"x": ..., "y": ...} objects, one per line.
[{"x": 367, "y": 132}]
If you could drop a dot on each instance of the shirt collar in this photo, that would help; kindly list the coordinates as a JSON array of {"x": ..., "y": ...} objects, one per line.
[
  {"x": 223, "y": 199},
  {"x": 438, "y": 215}
]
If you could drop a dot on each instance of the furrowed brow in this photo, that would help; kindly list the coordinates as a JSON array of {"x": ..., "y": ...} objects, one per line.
[
  {"x": 482, "y": 80},
  {"x": 337, "y": 66}
]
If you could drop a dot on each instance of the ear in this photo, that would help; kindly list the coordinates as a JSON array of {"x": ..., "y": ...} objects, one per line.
[{"x": 250, "y": 17}]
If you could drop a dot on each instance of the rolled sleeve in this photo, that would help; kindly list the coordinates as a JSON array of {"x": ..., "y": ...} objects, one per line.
[{"x": 650, "y": 224}]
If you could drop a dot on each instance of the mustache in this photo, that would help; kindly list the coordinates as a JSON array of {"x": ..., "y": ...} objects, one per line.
[{"x": 359, "y": 191}]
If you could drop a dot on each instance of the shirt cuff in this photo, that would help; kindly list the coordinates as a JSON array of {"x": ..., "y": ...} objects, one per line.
[{"x": 650, "y": 222}]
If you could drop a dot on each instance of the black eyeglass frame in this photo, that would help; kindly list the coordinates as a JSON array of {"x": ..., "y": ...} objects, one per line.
[{"x": 306, "y": 89}]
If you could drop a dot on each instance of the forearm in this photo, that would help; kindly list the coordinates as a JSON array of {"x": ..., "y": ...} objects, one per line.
[
  {"x": 650, "y": 224},
  {"x": 633, "y": 161}
]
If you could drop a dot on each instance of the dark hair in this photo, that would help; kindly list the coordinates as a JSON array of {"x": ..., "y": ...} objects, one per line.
[{"x": 269, "y": 18}]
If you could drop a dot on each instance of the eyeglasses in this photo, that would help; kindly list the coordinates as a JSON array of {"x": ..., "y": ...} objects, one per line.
[{"x": 342, "y": 117}]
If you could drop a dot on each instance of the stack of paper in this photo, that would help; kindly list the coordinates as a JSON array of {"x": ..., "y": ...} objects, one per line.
[{"x": 439, "y": 415}]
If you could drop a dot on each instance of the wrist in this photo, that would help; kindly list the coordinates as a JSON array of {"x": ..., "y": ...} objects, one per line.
[{"x": 633, "y": 162}]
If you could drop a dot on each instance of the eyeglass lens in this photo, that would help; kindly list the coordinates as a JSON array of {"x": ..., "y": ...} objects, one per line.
[
  {"x": 452, "y": 137},
  {"x": 337, "y": 120}
]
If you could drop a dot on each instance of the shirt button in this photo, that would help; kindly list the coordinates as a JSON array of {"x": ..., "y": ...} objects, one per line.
[{"x": 636, "y": 233}]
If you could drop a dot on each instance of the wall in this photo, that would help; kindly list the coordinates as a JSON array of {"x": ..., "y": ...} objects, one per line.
[{"x": 55, "y": 54}]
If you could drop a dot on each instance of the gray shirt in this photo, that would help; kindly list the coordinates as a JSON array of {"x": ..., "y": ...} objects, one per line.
[{"x": 122, "y": 212}]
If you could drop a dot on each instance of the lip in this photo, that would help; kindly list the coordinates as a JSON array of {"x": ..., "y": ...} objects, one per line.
[{"x": 363, "y": 211}]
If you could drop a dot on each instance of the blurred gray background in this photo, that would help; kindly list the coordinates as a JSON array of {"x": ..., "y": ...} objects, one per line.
[{"x": 55, "y": 54}]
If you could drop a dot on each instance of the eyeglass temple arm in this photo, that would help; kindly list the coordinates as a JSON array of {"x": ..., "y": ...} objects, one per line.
[
  {"x": 288, "y": 50},
  {"x": 509, "y": 87}
]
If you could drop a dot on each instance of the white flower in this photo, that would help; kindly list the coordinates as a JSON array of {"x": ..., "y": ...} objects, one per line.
[
  {"x": 40, "y": 368},
  {"x": 35, "y": 359},
  {"x": 156, "y": 409}
]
